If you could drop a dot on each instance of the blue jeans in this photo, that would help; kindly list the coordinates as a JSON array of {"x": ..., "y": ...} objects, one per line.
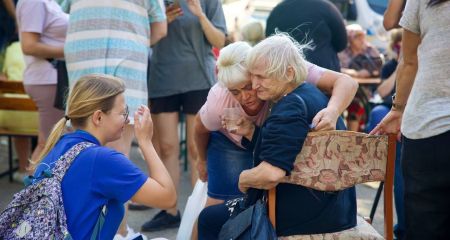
[
  {"x": 226, "y": 161},
  {"x": 376, "y": 115}
]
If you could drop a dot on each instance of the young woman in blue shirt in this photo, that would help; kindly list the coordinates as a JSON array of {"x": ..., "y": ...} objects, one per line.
[{"x": 100, "y": 176}]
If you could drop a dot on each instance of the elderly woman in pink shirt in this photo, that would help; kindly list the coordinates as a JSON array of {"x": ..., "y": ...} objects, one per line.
[{"x": 221, "y": 156}]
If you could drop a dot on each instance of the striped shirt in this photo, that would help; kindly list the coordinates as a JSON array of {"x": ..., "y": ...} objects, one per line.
[{"x": 112, "y": 37}]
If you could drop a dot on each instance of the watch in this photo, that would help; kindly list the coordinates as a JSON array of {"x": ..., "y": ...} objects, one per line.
[{"x": 397, "y": 106}]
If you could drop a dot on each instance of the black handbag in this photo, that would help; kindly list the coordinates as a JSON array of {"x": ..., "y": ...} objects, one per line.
[
  {"x": 62, "y": 85},
  {"x": 249, "y": 219}
]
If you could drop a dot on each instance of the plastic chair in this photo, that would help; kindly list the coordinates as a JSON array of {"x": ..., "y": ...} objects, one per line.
[{"x": 352, "y": 158}]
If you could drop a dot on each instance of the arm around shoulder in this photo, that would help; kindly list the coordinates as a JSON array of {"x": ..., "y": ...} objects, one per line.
[{"x": 342, "y": 89}]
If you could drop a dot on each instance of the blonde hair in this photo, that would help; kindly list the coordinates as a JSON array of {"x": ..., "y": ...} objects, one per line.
[
  {"x": 231, "y": 64},
  {"x": 279, "y": 52},
  {"x": 396, "y": 36},
  {"x": 91, "y": 93},
  {"x": 252, "y": 33}
]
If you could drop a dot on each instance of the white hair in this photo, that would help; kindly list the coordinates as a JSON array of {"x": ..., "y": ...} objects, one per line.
[
  {"x": 279, "y": 52},
  {"x": 231, "y": 64}
]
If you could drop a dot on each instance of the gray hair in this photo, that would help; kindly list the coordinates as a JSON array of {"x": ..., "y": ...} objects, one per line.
[
  {"x": 231, "y": 64},
  {"x": 279, "y": 52}
]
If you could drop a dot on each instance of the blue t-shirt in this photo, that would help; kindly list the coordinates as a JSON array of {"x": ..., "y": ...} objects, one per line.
[
  {"x": 98, "y": 176},
  {"x": 300, "y": 210}
]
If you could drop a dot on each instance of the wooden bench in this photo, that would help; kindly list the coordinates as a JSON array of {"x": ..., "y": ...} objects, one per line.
[{"x": 14, "y": 98}]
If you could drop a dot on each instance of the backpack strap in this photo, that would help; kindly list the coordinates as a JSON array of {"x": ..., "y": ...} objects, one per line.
[
  {"x": 99, "y": 225},
  {"x": 60, "y": 169},
  {"x": 64, "y": 162}
]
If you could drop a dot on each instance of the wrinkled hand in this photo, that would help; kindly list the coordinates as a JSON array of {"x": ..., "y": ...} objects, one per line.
[
  {"x": 390, "y": 124},
  {"x": 172, "y": 12},
  {"x": 244, "y": 183},
  {"x": 245, "y": 127},
  {"x": 202, "y": 170},
  {"x": 264, "y": 176},
  {"x": 242, "y": 178},
  {"x": 143, "y": 125},
  {"x": 325, "y": 120},
  {"x": 195, "y": 7}
]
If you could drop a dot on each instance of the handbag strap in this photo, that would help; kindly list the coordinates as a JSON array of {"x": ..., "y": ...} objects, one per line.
[
  {"x": 271, "y": 199},
  {"x": 99, "y": 225}
]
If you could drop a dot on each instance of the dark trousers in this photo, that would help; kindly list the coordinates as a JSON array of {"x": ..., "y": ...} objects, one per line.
[
  {"x": 426, "y": 169},
  {"x": 211, "y": 220}
]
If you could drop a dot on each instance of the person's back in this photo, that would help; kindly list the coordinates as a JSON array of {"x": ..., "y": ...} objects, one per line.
[
  {"x": 430, "y": 94},
  {"x": 112, "y": 38},
  {"x": 316, "y": 20}
]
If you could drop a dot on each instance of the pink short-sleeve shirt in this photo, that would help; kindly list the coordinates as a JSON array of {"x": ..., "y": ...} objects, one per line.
[
  {"x": 46, "y": 18},
  {"x": 220, "y": 98}
]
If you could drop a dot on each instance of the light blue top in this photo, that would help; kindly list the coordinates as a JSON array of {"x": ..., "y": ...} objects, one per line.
[{"x": 112, "y": 37}]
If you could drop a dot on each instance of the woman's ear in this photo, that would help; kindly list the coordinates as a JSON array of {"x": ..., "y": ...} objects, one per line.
[
  {"x": 96, "y": 117},
  {"x": 290, "y": 73}
]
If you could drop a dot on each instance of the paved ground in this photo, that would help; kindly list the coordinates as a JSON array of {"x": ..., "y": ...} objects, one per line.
[{"x": 365, "y": 194}]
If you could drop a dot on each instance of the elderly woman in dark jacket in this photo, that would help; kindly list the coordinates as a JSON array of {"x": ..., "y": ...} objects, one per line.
[{"x": 277, "y": 72}]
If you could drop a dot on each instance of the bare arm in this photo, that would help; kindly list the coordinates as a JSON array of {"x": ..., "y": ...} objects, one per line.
[
  {"x": 263, "y": 176},
  {"x": 215, "y": 37},
  {"x": 159, "y": 190},
  {"x": 406, "y": 74},
  {"x": 342, "y": 89},
  {"x": 201, "y": 138},
  {"x": 385, "y": 88},
  {"x": 158, "y": 30},
  {"x": 10, "y": 8},
  {"x": 32, "y": 45},
  {"x": 408, "y": 66},
  {"x": 363, "y": 73},
  {"x": 393, "y": 14}
]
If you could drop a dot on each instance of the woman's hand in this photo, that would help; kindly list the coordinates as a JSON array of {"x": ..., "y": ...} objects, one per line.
[
  {"x": 202, "y": 170},
  {"x": 245, "y": 127},
  {"x": 195, "y": 7},
  {"x": 390, "y": 124},
  {"x": 172, "y": 12},
  {"x": 325, "y": 120},
  {"x": 263, "y": 176},
  {"x": 143, "y": 125}
]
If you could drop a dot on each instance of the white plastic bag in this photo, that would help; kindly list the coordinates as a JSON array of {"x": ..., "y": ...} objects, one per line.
[{"x": 195, "y": 204}]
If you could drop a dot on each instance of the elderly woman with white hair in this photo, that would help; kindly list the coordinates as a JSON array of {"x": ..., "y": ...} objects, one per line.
[{"x": 278, "y": 73}]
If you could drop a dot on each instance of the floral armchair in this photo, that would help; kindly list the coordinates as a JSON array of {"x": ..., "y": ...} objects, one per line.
[{"x": 335, "y": 160}]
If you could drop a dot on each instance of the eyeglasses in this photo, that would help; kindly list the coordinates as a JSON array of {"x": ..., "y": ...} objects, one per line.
[{"x": 126, "y": 113}]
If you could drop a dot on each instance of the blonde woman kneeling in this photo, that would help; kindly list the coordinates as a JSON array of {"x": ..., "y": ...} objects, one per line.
[{"x": 101, "y": 176}]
